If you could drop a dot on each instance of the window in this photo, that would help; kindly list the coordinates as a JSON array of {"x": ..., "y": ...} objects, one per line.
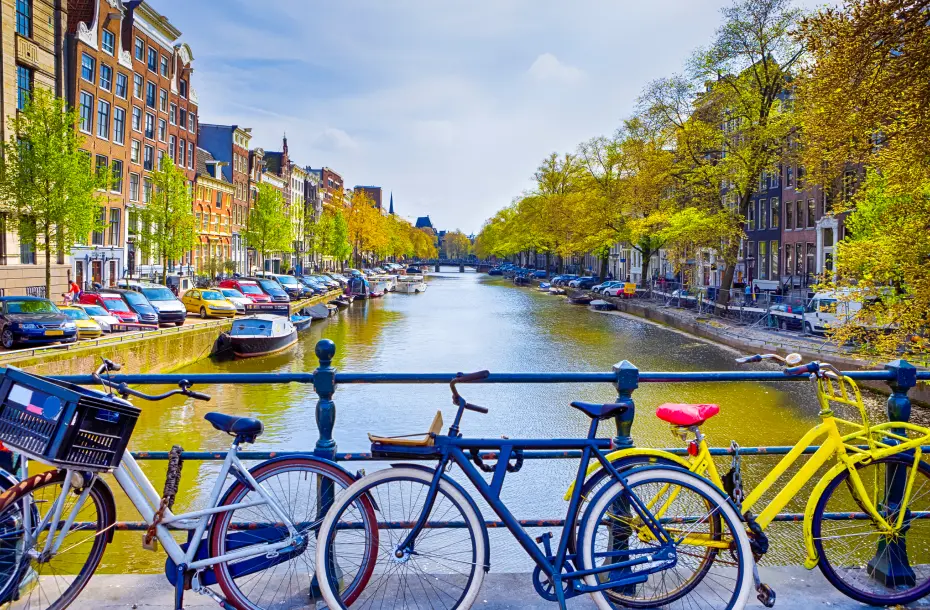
[
  {"x": 133, "y": 187},
  {"x": 140, "y": 49},
  {"x": 219, "y": 199},
  {"x": 182, "y": 153},
  {"x": 752, "y": 216},
  {"x": 183, "y": 88},
  {"x": 800, "y": 181},
  {"x": 789, "y": 176},
  {"x": 150, "y": 91},
  {"x": 775, "y": 178},
  {"x": 789, "y": 259},
  {"x": 775, "y": 266},
  {"x": 23, "y": 86},
  {"x": 135, "y": 152},
  {"x": 161, "y": 159},
  {"x": 799, "y": 259},
  {"x": 103, "y": 165},
  {"x": 162, "y": 129},
  {"x": 776, "y": 213},
  {"x": 24, "y": 18},
  {"x": 122, "y": 85},
  {"x": 763, "y": 214},
  {"x": 182, "y": 121},
  {"x": 811, "y": 214},
  {"x": 147, "y": 190},
  {"x": 150, "y": 125},
  {"x": 137, "y": 83},
  {"x": 153, "y": 60},
  {"x": 87, "y": 67},
  {"x": 799, "y": 219},
  {"x": 761, "y": 262},
  {"x": 173, "y": 114},
  {"x": 27, "y": 252},
  {"x": 190, "y": 155},
  {"x": 164, "y": 66},
  {"x": 163, "y": 100},
  {"x": 114, "y": 227},
  {"x": 149, "y": 163},
  {"x": 192, "y": 122},
  {"x": 106, "y": 77},
  {"x": 172, "y": 146},
  {"x": 119, "y": 125},
  {"x": 103, "y": 119},
  {"x": 116, "y": 170},
  {"x": 136, "y": 118},
  {"x": 109, "y": 42},
  {"x": 811, "y": 252}
]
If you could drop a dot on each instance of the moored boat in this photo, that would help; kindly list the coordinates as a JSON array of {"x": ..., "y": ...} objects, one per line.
[
  {"x": 411, "y": 284},
  {"x": 544, "y": 287},
  {"x": 301, "y": 323},
  {"x": 260, "y": 335},
  {"x": 556, "y": 290},
  {"x": 580, "y": 298},
  {"x": 320, "y": 311},
  {"x": 602, "y": 305}
]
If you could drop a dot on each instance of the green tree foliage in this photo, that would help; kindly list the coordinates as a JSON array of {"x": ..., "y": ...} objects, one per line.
[
  {"x": 341, "y": 247},
  {"x": 269, "y": 228},
  {"x": 48, "y": 186},
  {"x": 456, "y": 244},
  {"x": 168, "y": 226}
]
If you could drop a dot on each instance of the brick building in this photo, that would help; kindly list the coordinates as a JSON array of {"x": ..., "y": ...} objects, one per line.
[
  {"x": 213, "y": 217},
  {"x": 373, "y": 193},
  {"x": 32, "y": 34},
  {"x": 130, "y": 80},
  {"x": 329, "y": 181}
]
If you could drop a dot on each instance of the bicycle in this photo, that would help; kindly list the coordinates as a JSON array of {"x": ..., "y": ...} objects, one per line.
[
  {"x": 862, "y": 552},
  {"x": 434, "y": 546},
  {"x": 254, "y": 539}
]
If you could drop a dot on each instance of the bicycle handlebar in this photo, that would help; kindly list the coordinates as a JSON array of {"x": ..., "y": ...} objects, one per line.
[
  {"x": 810, "y": 367},
  {"x": 124, "y": 390},
  {"x": 470, "y": 377}
]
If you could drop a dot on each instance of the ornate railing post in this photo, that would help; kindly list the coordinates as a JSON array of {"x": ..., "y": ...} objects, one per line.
[
  {"x": 627, "y": 380},
  {"x": 324, "y": 383},
  {"x": 890, "y": 564}
]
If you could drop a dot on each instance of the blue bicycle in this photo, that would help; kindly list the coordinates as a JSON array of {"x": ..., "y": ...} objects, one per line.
[{"x": 433, "y": 548}]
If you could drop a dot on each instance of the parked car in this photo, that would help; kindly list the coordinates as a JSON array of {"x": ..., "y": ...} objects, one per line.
[
  {"x": 313, "y": 284},
  {"x": 208, "y": 302},
  {"x": 34, "y": 321},
  {"x": 167, "y": 305},
  {"x": 326, "y": 281},
  {"x": 272, "y": 288},
  {"x": 236, "y": 298},
  {"x": 101, "y": 316},
  {"x": 583, "y": 283},
  {"x": 113, "y": 303},
  {"x": 86, "y": 327},
  {"x": 605, "y": 285},
  {"x": 563, "y": 280},
  {"x": 294, "y": 289},
  {"x": 139, "y": 305},
  {"x": 249, "y": 288}
]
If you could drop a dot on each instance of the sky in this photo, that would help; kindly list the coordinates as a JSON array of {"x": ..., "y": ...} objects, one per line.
[{"x": 448, "y": 105}]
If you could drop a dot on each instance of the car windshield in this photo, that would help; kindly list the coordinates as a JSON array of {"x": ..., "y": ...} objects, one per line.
[
  {"x": 211, "y": 295},
  {"x": 94, "y": 310},
  {"x": 270, "y": 286},
  {"x": 158, "y": 294},
  {"x": 135, "y": 298},
  {"x": 115, "y": 304},
  {"x": 230, "y": 292},
  {"x": 287, "y": 279},
  {"x": 30, "y": 307},
  {"x": 75, "y": 314},
  {"x": 249, "y": 289}
]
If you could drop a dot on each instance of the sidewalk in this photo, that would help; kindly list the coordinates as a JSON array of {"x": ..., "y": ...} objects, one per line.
[{"x": 797, "y": 589}]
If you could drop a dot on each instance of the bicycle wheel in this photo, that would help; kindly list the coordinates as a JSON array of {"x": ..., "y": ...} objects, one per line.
[
  {"x": 714, "y": 560},
  {"x": 853, "y": 550},
  {"x": 285, "y": 580},
  {"x": 445, "y": 568},
  {"x": 54, "y": 581}
]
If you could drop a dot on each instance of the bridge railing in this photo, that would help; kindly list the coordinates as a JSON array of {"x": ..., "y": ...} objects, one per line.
[{"x": 624, "y": 377}]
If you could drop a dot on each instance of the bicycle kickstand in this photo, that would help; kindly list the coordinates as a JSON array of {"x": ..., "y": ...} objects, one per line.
[{"x": 179, "y": 587}]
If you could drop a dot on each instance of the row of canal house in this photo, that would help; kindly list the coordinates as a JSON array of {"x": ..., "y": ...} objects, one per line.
[{"x": 123, "y": 66}]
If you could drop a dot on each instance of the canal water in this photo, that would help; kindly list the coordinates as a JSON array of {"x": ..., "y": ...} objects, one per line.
[{"x": 467, "y": 322}]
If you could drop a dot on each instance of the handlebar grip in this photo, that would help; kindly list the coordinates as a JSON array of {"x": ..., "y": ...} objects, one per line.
[
  {"x": 810, "y": 367},
  {"x": 111, "y": 366},
  {"x": 747, "y": 359},
  {"x": 198, "y": 395},
  {"x": 475, "y": 408},
  {"x": 477, "y": 376}
]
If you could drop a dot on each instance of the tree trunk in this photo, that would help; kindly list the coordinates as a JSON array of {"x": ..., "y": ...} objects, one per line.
[
  {"x": 726, "y": 282},
  {"x": 48, "y": 267},
  {"x": 547, "y": 264},
  {"x": 647, "y": 255},
  {"x": 604, "y": 259}
]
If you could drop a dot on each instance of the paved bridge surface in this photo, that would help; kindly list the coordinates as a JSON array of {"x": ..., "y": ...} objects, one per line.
[{"x": 797, "y": 589}]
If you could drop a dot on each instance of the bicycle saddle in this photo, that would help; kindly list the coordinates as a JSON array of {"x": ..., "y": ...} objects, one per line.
[
  {"x": 243, "y": 428},
  {"x": 685, "y": 414},
  {"x": 601, "y": 411}
]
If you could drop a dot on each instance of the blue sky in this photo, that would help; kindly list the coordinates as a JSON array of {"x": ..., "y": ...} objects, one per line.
[{"x": 451, "y": 105}]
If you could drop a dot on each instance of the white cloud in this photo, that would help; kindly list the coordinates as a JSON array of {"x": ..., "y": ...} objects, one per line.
[
  {"x": 548, "y": 69},
  {"x": 334, "y": 139}
]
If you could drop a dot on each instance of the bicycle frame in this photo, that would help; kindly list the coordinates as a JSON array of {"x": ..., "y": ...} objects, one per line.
[{"x": 452, "y": 450}]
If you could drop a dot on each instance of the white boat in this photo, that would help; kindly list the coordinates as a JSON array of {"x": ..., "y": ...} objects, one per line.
[
  {"x": 411, "y": 284},
  {"x": 261, "y": 335},
  {"x": 388, "y": 282}
]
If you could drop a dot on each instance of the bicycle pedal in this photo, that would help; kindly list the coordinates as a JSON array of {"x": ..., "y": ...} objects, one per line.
[
  {"x": 544, "y": 541},
  {"x": 766, "y": 595},
  {"x": 150, "y": 546}
]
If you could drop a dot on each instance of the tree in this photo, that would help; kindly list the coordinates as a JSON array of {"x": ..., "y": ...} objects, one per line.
[
  {"x": 457, "y": 244},
  {"x": 424, "y": 244},
  {"x": 269, "y": 229},
  {"x": 168, "y": 228},
  {"x": 341, "y": 247},
  {"x": 728, "y": 114},
  {"x": 48, "y": 186},
  {"x": 366, "y": 227}
]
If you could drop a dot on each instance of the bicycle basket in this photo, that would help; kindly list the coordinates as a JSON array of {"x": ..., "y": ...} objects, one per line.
[{"x": 63, "y": 424}]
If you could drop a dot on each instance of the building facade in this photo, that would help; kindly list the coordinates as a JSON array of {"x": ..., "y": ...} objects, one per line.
[
  {"x": 762, "y": 244},
  {"x": 33, "y": 37},
  {"x": 330, "y": 182},
  {"x": 373, "y": 193},
  {"x": 213, "y": 216}
]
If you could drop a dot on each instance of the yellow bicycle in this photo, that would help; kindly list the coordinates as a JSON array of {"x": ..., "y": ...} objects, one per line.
[{"x": 867, "y": 520}]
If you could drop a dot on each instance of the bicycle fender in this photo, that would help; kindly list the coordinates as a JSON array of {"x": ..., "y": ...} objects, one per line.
[
  {"x": 614, "y": 456},
  {"x": 471, "y": 501},
  {"x": 812, "y": 559}
]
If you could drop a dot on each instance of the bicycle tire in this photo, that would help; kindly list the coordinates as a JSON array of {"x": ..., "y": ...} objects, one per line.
[
  {"x": 863, "y": 549},
  {"x": 447, "y": 493},
  {"x": 685, "y": 479},
  {"x": 104, "y": 510},
  {"x": 271, "y": 473}
]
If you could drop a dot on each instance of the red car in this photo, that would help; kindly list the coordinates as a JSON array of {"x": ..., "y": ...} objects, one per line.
[
  {"x": 249, "y": 288},
  {"x": 113, "y": 303}
]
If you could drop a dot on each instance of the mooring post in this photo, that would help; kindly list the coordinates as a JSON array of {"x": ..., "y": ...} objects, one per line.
[
  {"x": 627, "y": 380},
  {"x": 890, "y": 564},
  {"x": 324, "y": 383}
]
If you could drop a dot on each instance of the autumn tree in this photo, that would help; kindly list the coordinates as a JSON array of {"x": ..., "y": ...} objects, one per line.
[
  {"x": 48, "y": 186},
  {"x": 269, "y": 228},
  {"x": 457, "y": 244},
  {"x": 168, "y": 227}
]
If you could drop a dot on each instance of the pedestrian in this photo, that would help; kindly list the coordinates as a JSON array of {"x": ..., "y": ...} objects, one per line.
[{"x": 75, "y": 291}]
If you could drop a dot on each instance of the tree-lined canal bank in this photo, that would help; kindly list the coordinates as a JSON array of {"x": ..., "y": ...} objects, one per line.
[{"x": 464, "y": 322}]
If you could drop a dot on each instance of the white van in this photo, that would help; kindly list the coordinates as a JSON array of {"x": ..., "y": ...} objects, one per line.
[
  {"x": 830, "y": 310},
  {"x": 170, "y": 309}
]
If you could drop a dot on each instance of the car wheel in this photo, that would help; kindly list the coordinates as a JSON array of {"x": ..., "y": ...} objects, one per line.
[
  {"x": 181, "y": 323},
  {"x": 7, "y": 339},
  {"x": 781, "y": 324},
  {"x": 203, "y": 313}
]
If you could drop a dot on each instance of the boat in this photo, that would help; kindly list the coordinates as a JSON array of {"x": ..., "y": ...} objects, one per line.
[
  {"x": 260, "y": 335},
  {"x": 389, "y": 282},
  {"x": 301, "y": 323},
  {"x": 411, "y": 284},
  {"x": 358, "y": 287},
  {"x": 412, "y": 269},
  {"x": 544, "y": 287},
  {"x": 602, "y": 305},
  {"x": 580, "y": 298},
  {"x": 378, "y": 288},
  {"x": 556, "y": 290},
  {"x": 341, "y": 302},
  {"x": 319, "y": 311}
]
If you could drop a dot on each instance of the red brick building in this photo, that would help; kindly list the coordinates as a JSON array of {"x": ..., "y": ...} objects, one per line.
[{"x": 329, "y": 181}]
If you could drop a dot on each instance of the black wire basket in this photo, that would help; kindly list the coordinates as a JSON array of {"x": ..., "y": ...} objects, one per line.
[{"x": 62, "y": 424}]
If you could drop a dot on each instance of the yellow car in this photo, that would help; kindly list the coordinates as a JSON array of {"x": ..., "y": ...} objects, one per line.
[
  {"x": 86, "y": 327},
  {"x": 209, "y": 303}
]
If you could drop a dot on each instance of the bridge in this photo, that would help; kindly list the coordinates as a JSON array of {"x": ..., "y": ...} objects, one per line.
[{"x": 461, "y": 263}]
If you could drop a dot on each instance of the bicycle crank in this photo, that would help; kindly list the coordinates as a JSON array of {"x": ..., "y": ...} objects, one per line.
[{"x": 764, "y": 593}]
